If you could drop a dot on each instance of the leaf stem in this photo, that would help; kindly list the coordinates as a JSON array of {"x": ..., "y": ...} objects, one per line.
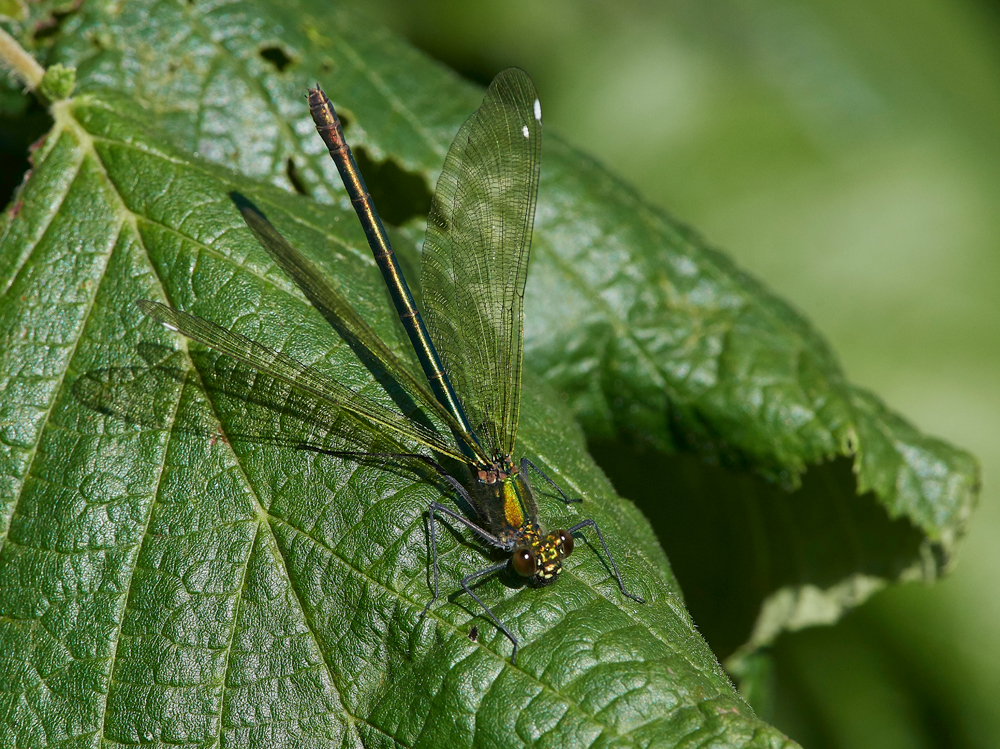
[{"x": 23, "y": 65}]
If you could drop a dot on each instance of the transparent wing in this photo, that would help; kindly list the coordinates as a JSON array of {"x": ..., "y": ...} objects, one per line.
[
  {"x": 475, "y": 256},
  {"x": 337, "y": 310},
  {"x": 286, "y": 369}
]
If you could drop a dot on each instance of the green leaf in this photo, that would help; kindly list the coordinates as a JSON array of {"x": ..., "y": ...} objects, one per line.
[
  {"x": 708, "y": 401},
  {"x": 659, "y": 345},
  {"x": 175, "y": 571}
]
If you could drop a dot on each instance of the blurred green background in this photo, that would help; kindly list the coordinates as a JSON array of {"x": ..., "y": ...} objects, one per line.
[{"x": 848, "y": 154}]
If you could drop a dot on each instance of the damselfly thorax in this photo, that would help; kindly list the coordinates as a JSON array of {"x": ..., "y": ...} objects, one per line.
[{"x": 535, "y": 555}]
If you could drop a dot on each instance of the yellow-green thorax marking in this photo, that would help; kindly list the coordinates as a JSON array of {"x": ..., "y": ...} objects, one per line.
[{"x": 533, "y": 554}]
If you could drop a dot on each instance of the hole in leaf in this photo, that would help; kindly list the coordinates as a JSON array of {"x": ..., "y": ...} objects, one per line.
[
  {"x": 51, "y": 25},
  {"x": 277, "y": 57},
  {"x": 295, "y": 177},
  {"x": 399, "y": 195},
  {"x": 17, "y": 134}
]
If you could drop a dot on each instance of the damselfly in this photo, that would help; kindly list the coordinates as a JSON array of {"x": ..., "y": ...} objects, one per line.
[{"x": 474, "y": 267}]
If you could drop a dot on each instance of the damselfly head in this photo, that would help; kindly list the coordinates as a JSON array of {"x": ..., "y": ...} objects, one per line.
[{"x": 542, "y": 560}]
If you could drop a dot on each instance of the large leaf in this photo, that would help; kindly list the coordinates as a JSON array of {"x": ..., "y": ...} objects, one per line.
[
  {"x": 174, "y": 571},
  {"x": 659, "y": 345}
]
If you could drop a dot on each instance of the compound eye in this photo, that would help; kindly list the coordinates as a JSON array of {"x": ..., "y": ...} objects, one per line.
[
  {"x": 524, "y": 562},
  {"x": 566, "y": 539}
]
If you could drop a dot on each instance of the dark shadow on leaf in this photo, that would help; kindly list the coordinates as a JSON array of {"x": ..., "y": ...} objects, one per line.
[
  {"x": 145, "y": 395},
  {"x": 295, "y": 177},
  {"x": 733, "y": 538},
  {"x": 52, "y": 24},
  {"x": 506, "y": 577}
]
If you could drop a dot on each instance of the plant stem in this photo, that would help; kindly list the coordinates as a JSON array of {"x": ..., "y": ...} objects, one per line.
[{"x": 23, "y": 65}]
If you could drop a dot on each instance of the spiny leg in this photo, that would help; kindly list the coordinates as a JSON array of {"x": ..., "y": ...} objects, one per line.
[
  {"x": 489, "y": 612},
  {"x": 614, "y": 567},
  {"x": 433, "y": 509},
  {"x": 525, "y": 462}
]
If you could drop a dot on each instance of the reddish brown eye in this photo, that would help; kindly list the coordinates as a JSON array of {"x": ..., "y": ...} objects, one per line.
[
  {"x": 524, "y": 562},
  {"x": 567, "y": 542}
]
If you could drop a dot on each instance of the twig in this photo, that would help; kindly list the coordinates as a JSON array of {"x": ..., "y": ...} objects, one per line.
[{"x": 23, "y": 65}]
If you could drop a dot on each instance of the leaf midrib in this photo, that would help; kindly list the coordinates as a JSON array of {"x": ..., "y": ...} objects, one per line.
[{"x": 65, "y": 121}]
